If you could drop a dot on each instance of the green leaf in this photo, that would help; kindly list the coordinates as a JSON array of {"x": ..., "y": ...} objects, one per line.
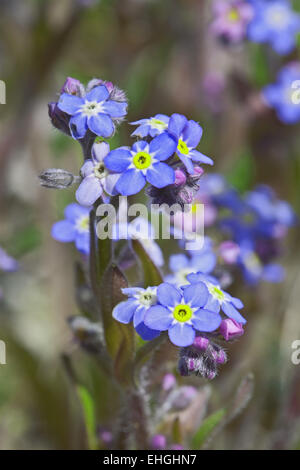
[
  {"x": 176, "y": 431},
  {"x": 152, "y": 275},
  {"x": 119, "y": 338},
  {"x": 88, "y": 408},
  {"x": 208, "y": 425}
]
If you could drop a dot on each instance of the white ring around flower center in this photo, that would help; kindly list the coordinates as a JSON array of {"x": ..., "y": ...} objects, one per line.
[{"x": 91, "y": 108}]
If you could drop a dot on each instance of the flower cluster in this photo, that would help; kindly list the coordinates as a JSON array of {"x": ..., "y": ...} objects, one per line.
[
  {"x": 183, "y": 312},
  {"x": 188, "y": 303},
  {"x": 283, "y": 95},
  {"x": 262, "y": 21},
  {"x": 276, "y": 23},
  {"x": 256, "y": 224}
]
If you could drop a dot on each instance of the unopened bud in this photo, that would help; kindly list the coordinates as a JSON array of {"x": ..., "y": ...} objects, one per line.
[
  {"x": 168, "y": 382},
  {"x": 57, "y": 178},
  {"x": 59, "y": 119},
  {"x": 159, "y": 442},
  {"x": 231, "y": 329},
  {"x": 87, "y": 333},
  {"x": 72, "y": 86},
  {"x": 201, "y": 343},
  {"x": 229, "y": 252},
  {"x": 180, "y": 177}
]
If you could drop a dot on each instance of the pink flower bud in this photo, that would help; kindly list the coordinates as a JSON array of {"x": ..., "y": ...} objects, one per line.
[
  {"x": 168, "y": 382},
  {"x": 198, "y": 170},
  {"x": 159, "y": 442},
  {"x": 231, "y": 329},
  {"x": 201, "y": 343},
  {"x": 176, "y": 447},
  {"x": 229, "y": 251},
  {"x": 180, "y": 177},
  {"x": 221, "y": 357},
  {"x": 72, "y": 86}
]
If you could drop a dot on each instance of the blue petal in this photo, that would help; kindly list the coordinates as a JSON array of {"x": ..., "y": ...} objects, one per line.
[
  {"x": 205, "y": 320},
  {"x": 146, "y": 333},
  {"x": 163, "y": 146},
  {"x": 187, "y": 162},
  {"x": 69, "y": 104},
  {"x": 63, "y": 231},
  {"x": 200, "y": 157},
  {"x": 87, "y": 168},
  {"x": 257, "y": 31},
  {"x": 196, "y": 294},
  {"x": 124, "y": 311},
  {"x": 176, "y": 124},
  {"x": 139, "y": 315},
  {"x": 140, "y": 146},
  {"x": 158, "y": 318},
  {"x": 273, "y": 272},
  {"x": 101, "y": 125},
  {"x": 130, "y": 182},
  {"x": 168, "y": 295},
  {"x": 204, "y": 262},
  {"x": 141, "y": 131},
  {"x": 82, "y": 242},
  {"x": 74, "y": 211},
  {"x": 115, "y": 109},
  {"x": 232, "y": 312},
  {"x": 78, "y": 126},
  {"x": 99, "y": 151},
  {"x": 132, "y": 290},
  {"x": 178, "y": 262},
  {"x": 118, "y": 160},
  {"x": 192, "y": 134},
  {"x": 212, "y": 304},
  {"x": 236, "y": 302},
  {"x": 182, "y": 334},
  {"x": 284, "y": 42},
  {"x": 89, "y": 190},
  {"x": 160, "y": 175},
  {"x": 99, "y": 93}
]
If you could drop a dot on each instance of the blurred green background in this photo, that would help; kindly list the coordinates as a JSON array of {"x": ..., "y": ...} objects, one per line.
[{"x": 161, "y": 53}]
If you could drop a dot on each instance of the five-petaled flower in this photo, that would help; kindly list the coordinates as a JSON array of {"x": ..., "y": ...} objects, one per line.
[
  {"x": 96, "y": 178},
  {"x": 74, "y": 228},
  {"x": 276, "y": 23},
  {"x": 218, "y": 299},
  {"x": 142, "y": 163},
  {"x": 187, "y": 135},
  {"x": 134, "y": 309},
  {"x": 151, "y": 126},
  {"x": 181, "y": 313},
  {"x": 95, "y": 111}
]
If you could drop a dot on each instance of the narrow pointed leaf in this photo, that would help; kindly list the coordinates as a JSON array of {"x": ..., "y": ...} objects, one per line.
[{"x": 151, "y": 273}]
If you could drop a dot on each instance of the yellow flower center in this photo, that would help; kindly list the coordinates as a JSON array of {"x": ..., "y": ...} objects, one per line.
[
  {"x": 253, "y": 263},
  {"x": 216, "y": 292},
  {"x": 157, "y": 124},
  {"x": 142, "y": 160},
  {"x": 182, "y": 147},
  {"x": 83, "y": 224},
  {"x": 182, "y": 313},
  {"x": 233, "y": 15}
]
